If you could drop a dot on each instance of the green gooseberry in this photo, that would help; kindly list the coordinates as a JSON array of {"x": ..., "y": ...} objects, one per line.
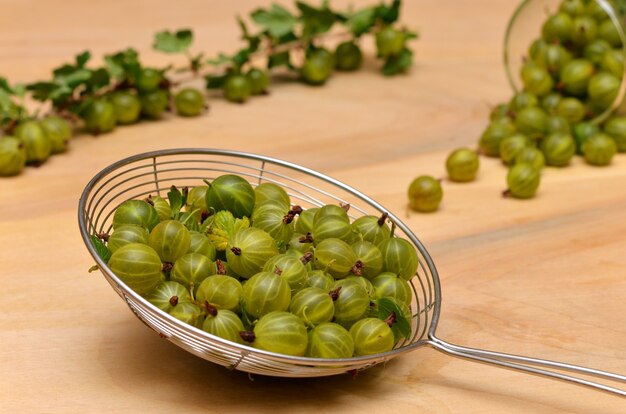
[
  {"x": 558, "y": 148},
  {"x": 334, "y": 256},
  {"x": 599, "y": 149},
  {"x": 279, "y": 332},
  {"x": 532, "y": 122},
  {"x": 613, "y": 62},
  {"x": 536, "y": 80},
  {"x": 369, "y": 261},
  {"x": 199, "y": 243},
  {"x": 231, "y": 192},
  {"x": 331, "y": 210},
  {"x": 575, "y": 76},
  {"x": 553, "y": 58},
  {"x": 348, "y": 56},
  {"x": 329, "y": 340},
  {"x": 523, "y": 100},
  {"x": 248, "y": 250},
  {"x": 359, "y": 280},
  {"x": 223, "y": 323},
  {"x": 138, "y": 212},
  {"x": 603, "y": 90},
  {"x": 462, "y": 165},
  {"x": 511, "y": 146},
  {"x": 573, "y": 7},
  {"x": 291, "y": 268},
  {"x": 188, "y": 312},
  {"x": 595, "y": 10},
  {"x": 595, "y": 50},
  {"x": 171, "y": 240},
  {"x": 37, "y": 145},
  {"x": 399, "y": 257},
  {"x": 154, "y": 103},
  {"x": 138, "y": 266},
  {"x": 265, "y": 292},
  {"x": 523, "y": 180},
  {"x": 532, "y": 156},
  {"x": 258, "y": 80},
  {"x": 58, "y": 131},
  {"x": 191, "y": 269},
  {"x": 536, "y": 48},
  {"x": 189, "y": 102},
  {"x": 502, "y": 110},
  {"x": 371, "y": 228},
  {"x": 572, "y": 109},
  {"x": 608, "y": 32},
  {"x": 558, "y": 124},
  {"x": 615, "y": 127},
  {"x": 126, "y": 106},
  {"x": 275, "y": 220},
  {"x": 161, "y": 206},
  {"x": 268, "y": 191},
  {"x": 558, "y": 27},
  {"x": 237, "y": 88},
  {"x": 582, "y": 131},
  {"x": 328, "y": 227},
  {"x": 221, "y": 291},
  {"x": 99, "y": 116},
  {"x": 149, "y": 79},
  {"x": 313, "y": 305},
  {"x": 388, "y": 284},
  {"x": 304, "y": 223},
  {"x": 584, "y": 30},
  {"x": 318, "y": 66},
  {"x": 12, "y": 156},
  {"x": 301, "y": 242},
  {"x": 389, "y": 42},
  {"x": 320, "y": 279},
  {"x": 550, "y": 102},
  {"x": 425, "y": 194},
  {"x": 351, "y": 302},
  {"x": 126, "y": 234},
  {"x": 371, "y": 336},
  {"x": 496, "y": 131},
  {"x": 167, "y": 295}
]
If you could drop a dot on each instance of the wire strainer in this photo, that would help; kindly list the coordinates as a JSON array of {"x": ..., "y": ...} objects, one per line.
[{"x": 155, "y": 172}]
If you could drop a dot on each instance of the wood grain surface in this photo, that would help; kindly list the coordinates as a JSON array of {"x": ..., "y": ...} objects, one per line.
[{"x": 544, "y": 277}]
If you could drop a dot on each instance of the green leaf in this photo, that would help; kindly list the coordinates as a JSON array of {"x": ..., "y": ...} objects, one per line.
[
  {"x": 222, "y": 59},
  {"x": 215, "y": 81},
  {"x": 173, "y": 42},
  {"x": 315, "y": 21},
  {"x": 176, "y": 201},
  {"x": 82, "y": 59},
  {"x": 362, "y": 21},
  {"x": 402, "y": 325},
  {"x": 101, "y": 248},
  {"x": 389, "y": 14},
  {"x": 98, "y": 79},
  {"x": 196, "y": 62},
  {"x": 278, "y": 59},
  {"x": 123, "y": 65},
  {"x": 398, "y": 64},
  {"x": 42, "y": 91},
  {"x": 277, "y": 21}
]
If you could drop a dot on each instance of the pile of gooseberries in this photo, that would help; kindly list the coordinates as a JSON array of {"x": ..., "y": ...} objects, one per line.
[
  {"x": 571, "y": 75},
  {"x": 246, "y": 264}
]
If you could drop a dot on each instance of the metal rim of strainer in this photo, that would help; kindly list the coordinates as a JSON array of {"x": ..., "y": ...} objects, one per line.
[{"x": 213, "y": 348}]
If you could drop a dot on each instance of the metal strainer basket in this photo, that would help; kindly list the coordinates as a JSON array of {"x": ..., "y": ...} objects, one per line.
[{"x": 155, "y": 172}]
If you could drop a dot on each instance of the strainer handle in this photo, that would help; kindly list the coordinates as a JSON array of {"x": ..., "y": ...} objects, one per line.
[{"x": 529, "y": 365}]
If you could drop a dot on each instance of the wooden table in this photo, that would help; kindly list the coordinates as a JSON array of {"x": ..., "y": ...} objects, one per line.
[{"x": 544, "y": 277}]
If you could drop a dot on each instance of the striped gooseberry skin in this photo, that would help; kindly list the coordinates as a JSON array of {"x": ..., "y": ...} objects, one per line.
[
  {"x": 532, "y": 156},
  {"x": 331, "y": 227},
  {"x": 273, "y": 219},
  {"x": 399, "y": 257},
  {"x": 351, "y": 302},
  {"x": 313, "y": 305},
  {"x": 369, "y": 259},
  {"x": 272, "y": 192},
  {"x": 320, "y": 279},
  {"x": 331, "y": 210},
  {"x": 168, "y": 294},
  {"x": 221, "y": 291},
  {"x": 189, "y": 313},
  {"x": 289, "y": 268},
  {"x": 161, "y": 206},
  {"x": 170, "y": 239},
  {"x": 37, "y": 145},
  {"x": 372, "y": 229},
  {"x": 329, "y": 340},
  {"x": 196, "y": 200},
  {"x": 334, "y": 256},
  {"x": 199, "y": 243},
  {"x": 225, "y": 324},
  {"x": 265, "y": 292},
  {"x": 390, "y": 285},
  {"x": 304, "y": 223},
  {"x": 301, "y": 243},
  {"x": 127, "y": 234},
  {"x": 248, "y": 250},
  {"x": 138, "y": 266},
  {"x": 558, "y": 149},
  {"x": 599, "y": 149},
  {"x": 360, "y": 280},
  {"x": 12, "y": 156},
  {"x": 282, "y": 333},
  {"x": 137, "y": 212},
  {"x": 191, "y": 269},
  {"x": 523, "y": 180},
  {"x": 233, "y": 193},
  {"x": 371, "y": 336}
]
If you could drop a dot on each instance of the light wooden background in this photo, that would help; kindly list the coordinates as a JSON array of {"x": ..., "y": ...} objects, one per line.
[{"x": 544, "y": 277}]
